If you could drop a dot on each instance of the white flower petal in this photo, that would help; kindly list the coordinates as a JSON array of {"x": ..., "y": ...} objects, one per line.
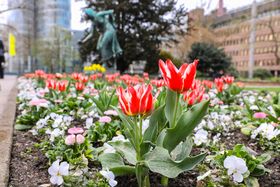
[
  {"x": 113, "y": 183},
  {"x": 229, "y": 162},
  {"x": 237, "y": 177},
  {"x": 110, "y": 175},
  {"x": 53, "y": 179},
  {"x": 230, "y": 171},
  {"x": 53, "y": 170},
  {"x": 104, "y": 174},
  {"x": 64, "y": 168},
  {"x": 59, "y": 180}
]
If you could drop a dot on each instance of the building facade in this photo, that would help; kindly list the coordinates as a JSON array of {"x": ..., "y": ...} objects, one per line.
[
  {"x": 50, "y": 13},
  {"x": 30, "y": 21},
  {"x": 233, "y": 29}
]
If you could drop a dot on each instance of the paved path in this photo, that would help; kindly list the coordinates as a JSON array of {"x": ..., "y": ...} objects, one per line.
[{"x": 8, "y": 93}]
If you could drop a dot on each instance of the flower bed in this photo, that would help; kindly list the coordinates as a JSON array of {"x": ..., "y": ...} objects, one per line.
[{"x": 121, "y": 130}]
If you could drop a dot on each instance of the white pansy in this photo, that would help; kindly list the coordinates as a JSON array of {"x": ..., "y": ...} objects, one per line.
[
  {"x": 108, "y": 148},
  {"x": 254, "y": 107},
  {"x": 57, "y": 171},
  {"x": 34, "y": 132},
  {"x": 268, "y": 131},
  {"x": 41, "y": 123},
  {"x": 214, "y": 115},
  {"x": 67, "y": 119},
  {"x": 236, "y": 167},
  {"x": 120, "y": 137},
  {"x": 238, "y": 113},
  {"x": 200, "y": 137},
  {"x": 54, "y": 116},
  {"x": 57, "y": 122},
  {"x": 89, "y": 123},
  {"x": 210, "y": 125},
  {"x": 145, "y": 125},
  {"x": 216, "y": 138},
  {"x": 251, "y": 99},
  {"x": 109, "y": 175},
  {"x": 55, "y": 133}
]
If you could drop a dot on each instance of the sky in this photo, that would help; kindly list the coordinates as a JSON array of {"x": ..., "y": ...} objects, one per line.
[{"x": 189, "y": 4}]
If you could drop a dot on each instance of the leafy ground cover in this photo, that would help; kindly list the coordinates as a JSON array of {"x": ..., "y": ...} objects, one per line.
[{"x": 120, "y": 130}]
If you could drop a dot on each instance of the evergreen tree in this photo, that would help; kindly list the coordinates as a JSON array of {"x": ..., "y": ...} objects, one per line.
[
  {"x": 213, "y": 62},
  {"x": 142, "y": 25}
]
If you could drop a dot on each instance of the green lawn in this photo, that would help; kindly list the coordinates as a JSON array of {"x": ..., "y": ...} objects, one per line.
[{"x": 272, "y": 89}]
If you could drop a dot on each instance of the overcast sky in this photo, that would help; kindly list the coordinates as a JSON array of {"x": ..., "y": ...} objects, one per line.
[{"x": 189, "y": 4}]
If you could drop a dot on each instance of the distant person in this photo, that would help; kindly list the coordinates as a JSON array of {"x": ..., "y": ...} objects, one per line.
[{"x": 2, "y": 59}]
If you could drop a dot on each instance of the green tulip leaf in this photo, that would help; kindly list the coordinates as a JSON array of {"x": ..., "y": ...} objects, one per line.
[
  {"x": 114, "y": 163},
  {"x": 22, "y": 127},
  {"x": 185, "y": 125},
  {"x": 123, "y": 170},
  {"x": 159, "y": 161},
  {"x": 170, "y": 105},
  {"x": 126, "y": 149},
  {"x": 183, "y": 149},
  {"x": 156, "y": 123}
]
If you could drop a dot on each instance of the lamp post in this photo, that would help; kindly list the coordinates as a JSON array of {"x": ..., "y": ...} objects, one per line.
[{"x": 252, "y": 40}]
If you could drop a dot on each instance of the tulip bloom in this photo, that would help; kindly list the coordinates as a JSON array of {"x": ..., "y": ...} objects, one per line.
[
  {"x": 62, "y": 85},
  {"x": 51, "y": 84},
  {"x": 194, "y": 96},
  {"x": 208, "y": 84},
  {"x": 76, "y": 76},
  {"x": 228, "y": 79},
  {"x": 79, "y": 86},
  {"x": 40, "y": 73},
  {"x": 158, "y": 83},
  {"x": 84, "y": 79},
  {"x": 136, "y": 100},
  {"x": 219, "y": 84},
  {"x": 178, "y": 80}
]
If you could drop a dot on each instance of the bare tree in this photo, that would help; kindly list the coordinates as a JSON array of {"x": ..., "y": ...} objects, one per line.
[
  {"x": 20, "y": 6},
  {"x": 275, "y": 40},
  {"x": 55, "y": 50}
]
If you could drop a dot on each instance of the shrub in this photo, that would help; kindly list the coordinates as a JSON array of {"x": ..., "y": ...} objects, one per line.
[{"x": 262, "y": 74}]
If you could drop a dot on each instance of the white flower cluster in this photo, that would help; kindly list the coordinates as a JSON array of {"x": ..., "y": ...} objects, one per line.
[
  {"x": 55, "y": 125},
  {"x": 221, "y": 123},
  {"x": 26, "y": 89},
  {"x": 266, "y": 130}
]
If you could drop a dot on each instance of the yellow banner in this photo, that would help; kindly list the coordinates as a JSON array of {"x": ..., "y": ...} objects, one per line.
[{"x": 12, "y": 44}]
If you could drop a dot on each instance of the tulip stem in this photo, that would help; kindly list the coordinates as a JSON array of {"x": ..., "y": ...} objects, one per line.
[{"x": 176, "y": 110}]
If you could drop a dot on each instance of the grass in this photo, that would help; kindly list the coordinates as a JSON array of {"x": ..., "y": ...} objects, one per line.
[{"x": 271, "y": 89}]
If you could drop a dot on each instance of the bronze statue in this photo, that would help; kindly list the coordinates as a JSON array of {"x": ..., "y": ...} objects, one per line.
[{"x": 107, "y": 46}]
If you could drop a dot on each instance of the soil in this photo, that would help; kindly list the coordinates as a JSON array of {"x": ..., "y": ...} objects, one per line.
[
  {"x": 186, "y": 179},
  {"x": 29, "y": 166},
  {"x": 268, "y": 180}
]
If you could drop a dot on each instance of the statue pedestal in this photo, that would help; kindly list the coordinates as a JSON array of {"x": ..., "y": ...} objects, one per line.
[{"x": 112, "y": 69}]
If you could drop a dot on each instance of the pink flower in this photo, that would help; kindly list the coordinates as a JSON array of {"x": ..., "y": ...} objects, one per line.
[
  {"x": 75, "y": 130},
  {"x": 259, "y": 115},
  {"x": 70, "y": 139},
  {"x": 111, "y": 112},
  {"x": 39, "y": 102},
  {"x": 80, "y": 139},
  {"x": 105, "y": 119}
]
